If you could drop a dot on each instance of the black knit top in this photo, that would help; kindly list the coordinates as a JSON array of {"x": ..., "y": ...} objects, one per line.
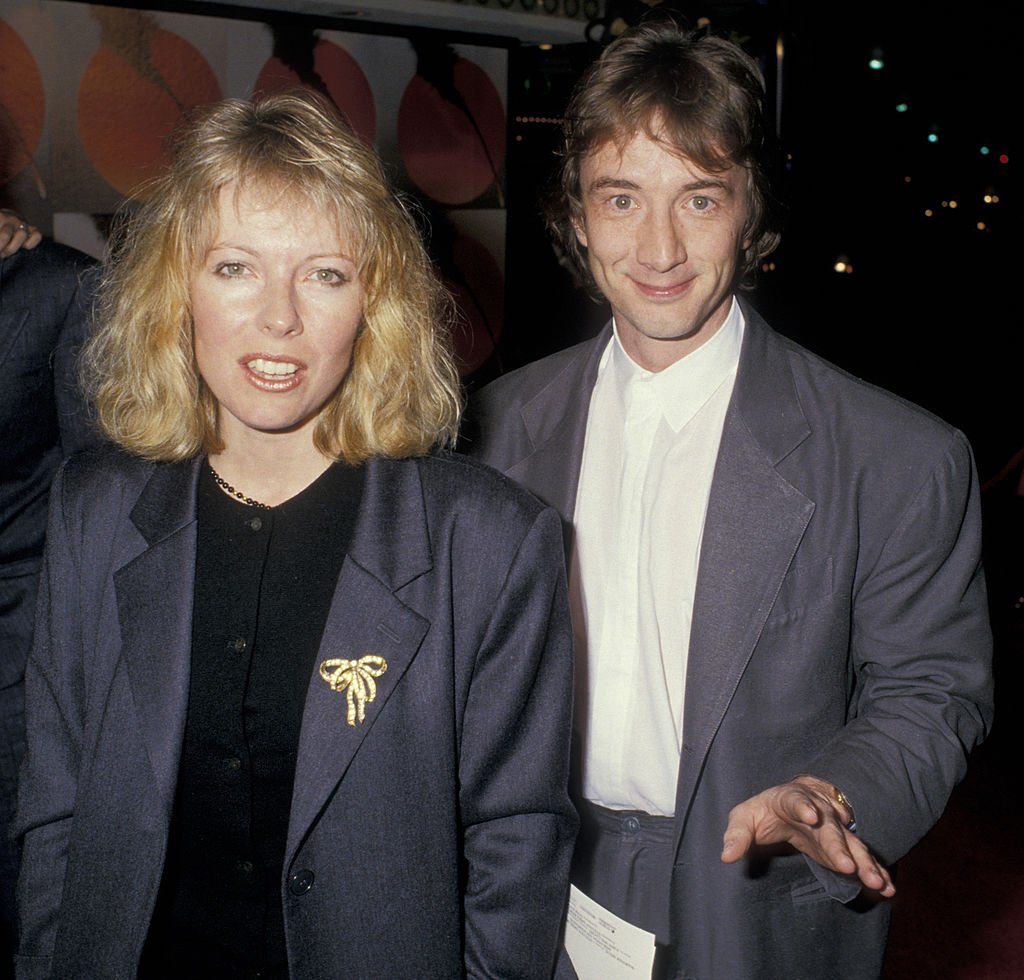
[{"x": 263, "y": 588}]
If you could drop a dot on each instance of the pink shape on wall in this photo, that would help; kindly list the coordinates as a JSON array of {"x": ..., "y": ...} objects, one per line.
[
  {"x": 344, "y": 79},
  {"x": 453, "y": 153},
  {"x": 478, "y": 296}
]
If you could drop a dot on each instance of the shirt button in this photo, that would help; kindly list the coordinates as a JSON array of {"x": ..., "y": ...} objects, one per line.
[
  {"x": 244, "y": 867},
  {"x": 237, "y": 645},
  {"x": 631, "y": 825},
  {"x": 301, "y": 882},
  {"x": 254, "y": 523},
  {"x": 234, "y": 762}
]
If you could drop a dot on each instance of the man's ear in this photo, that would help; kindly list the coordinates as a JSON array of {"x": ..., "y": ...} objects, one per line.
[{"x": 580, "y": 229}]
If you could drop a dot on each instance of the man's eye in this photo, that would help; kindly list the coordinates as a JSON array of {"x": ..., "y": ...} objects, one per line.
[
  {"x": 702, "y": 203},
  {"x": 622, "y": 202}
]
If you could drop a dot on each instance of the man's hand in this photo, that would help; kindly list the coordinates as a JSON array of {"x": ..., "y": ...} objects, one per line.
[
  {"x": 802, "y": 814},
  {"x": 16, "y": 234}
]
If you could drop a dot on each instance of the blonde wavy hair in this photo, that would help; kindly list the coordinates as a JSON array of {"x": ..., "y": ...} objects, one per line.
[{"x": 401, "y": 396}]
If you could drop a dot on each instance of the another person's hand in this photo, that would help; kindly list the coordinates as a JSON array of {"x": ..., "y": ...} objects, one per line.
[
  {"x": 16, "y": 234},
  {"x": 802, "y": 814}
]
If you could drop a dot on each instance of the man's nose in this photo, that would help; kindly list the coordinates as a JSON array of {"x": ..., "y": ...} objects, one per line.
[{"x": 660, "y": 246}]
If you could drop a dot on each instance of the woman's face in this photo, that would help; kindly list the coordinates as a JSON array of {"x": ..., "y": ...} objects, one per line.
[{"x": 276, "y": 303}]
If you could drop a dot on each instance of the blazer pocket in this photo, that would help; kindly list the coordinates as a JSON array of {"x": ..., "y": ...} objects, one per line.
[
  {"x": 807, "y": 892},
  {"x": 806, "y": 584}
]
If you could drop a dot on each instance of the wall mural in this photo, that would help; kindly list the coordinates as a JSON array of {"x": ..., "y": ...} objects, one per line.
[{"x": 88, "y": 95}]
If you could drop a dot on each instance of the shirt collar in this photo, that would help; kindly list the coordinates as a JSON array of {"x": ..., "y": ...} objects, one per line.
[{"x": 683, "y": 388}]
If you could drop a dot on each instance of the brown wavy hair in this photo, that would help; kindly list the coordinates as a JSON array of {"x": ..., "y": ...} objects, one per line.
[{"x": 699, "y": 94}]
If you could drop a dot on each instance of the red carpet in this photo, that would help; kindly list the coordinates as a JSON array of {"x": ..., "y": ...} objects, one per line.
[{"x": 959, "y": 908}]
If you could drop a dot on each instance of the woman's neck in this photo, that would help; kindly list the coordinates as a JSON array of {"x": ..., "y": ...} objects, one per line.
[{"x": 270, "y": 470}]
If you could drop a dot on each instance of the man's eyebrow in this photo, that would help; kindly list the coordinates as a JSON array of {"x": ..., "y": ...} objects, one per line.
[
  {"x": 709, "y": 184},
  {"x": 618, "y": 183},
  {"x": 624, "y": 183}
]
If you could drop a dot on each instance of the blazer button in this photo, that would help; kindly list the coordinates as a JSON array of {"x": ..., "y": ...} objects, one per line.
[{"x": 301, "y": 882}]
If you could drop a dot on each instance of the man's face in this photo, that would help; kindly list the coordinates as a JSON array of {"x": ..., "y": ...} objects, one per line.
[{"x": 663, "y": 239}]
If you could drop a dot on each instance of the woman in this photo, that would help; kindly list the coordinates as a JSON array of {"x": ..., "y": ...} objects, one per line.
[{"x": 299, "y": 698}]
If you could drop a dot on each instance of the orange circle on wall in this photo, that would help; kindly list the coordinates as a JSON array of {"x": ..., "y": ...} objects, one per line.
[
  {"x": 128, "y": 106},
  {"x": 22, "y": 104},
  {"x": 444, "y": 154},
  {"x": 340, "y": 72}
]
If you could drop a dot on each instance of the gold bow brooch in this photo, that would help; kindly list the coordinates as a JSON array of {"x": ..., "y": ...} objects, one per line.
[{"x": 357, "y": 679}]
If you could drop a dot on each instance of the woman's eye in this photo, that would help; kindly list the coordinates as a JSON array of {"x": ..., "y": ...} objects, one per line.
[
  {"x": 230, "y": 270},
  {"x": 330, "y": 277}
]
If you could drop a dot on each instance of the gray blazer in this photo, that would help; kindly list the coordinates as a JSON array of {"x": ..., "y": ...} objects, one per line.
[
  {"x": 430, "y": 840},
  {"x": 839, "y": 629}
]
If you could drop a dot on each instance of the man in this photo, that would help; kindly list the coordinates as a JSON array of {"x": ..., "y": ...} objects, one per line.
[
  {"x": 779, "y": 607},
  {"x": 44, "y": 305}
]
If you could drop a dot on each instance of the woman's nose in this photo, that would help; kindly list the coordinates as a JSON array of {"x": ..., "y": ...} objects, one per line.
[{"x": 280, "y": 314}]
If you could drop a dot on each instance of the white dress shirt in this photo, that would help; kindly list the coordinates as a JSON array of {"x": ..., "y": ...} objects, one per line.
[{"x": 648, "y": 459}]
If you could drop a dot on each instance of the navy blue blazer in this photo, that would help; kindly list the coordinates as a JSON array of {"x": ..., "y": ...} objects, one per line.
[
  {"x": 431, "y": 839},
  {"x": 839, "y": 629},
  {"x": 44, "y": 312}
]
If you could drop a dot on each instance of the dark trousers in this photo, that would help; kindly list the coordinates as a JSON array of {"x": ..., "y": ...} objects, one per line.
[{"x": 623, "y": 860}]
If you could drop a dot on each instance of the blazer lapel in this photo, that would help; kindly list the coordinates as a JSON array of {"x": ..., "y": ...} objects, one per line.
[
  {"x": 556, "y": 421},
  {"x": 755, "y": 522},
  {"x": 390, "y": 548},
  {"x": 154, "y": 602},
  {"x": 11, "y": 325},
  {"x": 15, "y": 305}
]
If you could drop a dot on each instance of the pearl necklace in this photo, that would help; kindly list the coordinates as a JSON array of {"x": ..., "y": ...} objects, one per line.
[{"x": 227, "y": 488}]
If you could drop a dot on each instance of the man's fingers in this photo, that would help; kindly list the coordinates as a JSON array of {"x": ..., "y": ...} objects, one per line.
[
  {"x": 739, "y": 835},
  {"x": 848, "y": 854},
  {"x": 870, "y": 872},
  {"x": 734, "y": 847},
  {"x": 796, "y": 806},
  {"x": 797, "y": 815},
  {"x": 16, "y": 234}
]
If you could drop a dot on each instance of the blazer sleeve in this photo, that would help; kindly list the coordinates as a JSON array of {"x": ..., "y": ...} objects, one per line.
[
  {"x": 921, "y": 652},
  {"x": 77, "y": 426},
  {"x": 519, "y": 826},
  {"x": 53, "y": 743}
]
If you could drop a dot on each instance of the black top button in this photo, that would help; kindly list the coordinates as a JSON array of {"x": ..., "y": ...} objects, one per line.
[
  {"x": 255, "y": 523},
  {"x": 301, "y": 882}
]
